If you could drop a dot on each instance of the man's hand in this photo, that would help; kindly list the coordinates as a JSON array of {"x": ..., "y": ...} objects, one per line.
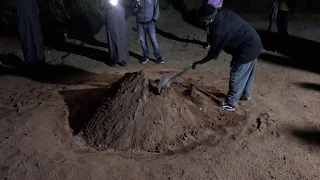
[
  {"x": 204, "y": 60},
  {"x": 152, "y": 23}
]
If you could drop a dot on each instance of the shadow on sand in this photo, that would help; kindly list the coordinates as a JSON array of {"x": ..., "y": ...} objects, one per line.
[
  {"x": 55, "y": 74},
  {"x": 311, "y": 137},
  {"x": 302, "y": 53},
  {"x": 175, "y": 38},
  {"x": 312, "y": 86}
]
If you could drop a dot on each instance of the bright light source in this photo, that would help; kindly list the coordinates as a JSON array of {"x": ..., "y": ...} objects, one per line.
[{"x": 114, "y": 2}]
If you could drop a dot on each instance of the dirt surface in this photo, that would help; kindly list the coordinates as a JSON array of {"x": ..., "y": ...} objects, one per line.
[
  {"x": 42, "y": 112},
  {"x": 134, "y": 117}
]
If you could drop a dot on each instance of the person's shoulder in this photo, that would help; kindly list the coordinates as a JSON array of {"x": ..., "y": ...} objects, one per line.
[
  {"x": 226, "y": 11},
  {"x": 225, "y": 14}
]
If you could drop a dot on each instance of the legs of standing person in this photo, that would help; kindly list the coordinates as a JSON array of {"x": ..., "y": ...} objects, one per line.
[
  {"x": 247, "y": 92},
  {"x": 151, "y": 30},
  {"x": 241, "y": 82},
  {"x": 283, "y": 20},
  {"x": 29, "y": 28},
  {"x": 117, "y": 36},
  {"x": 142, "y": 36},
  {"x": 123, "y": 45},
  {"x": 112, "y": 49},
  {"x": 37, "y": 33}
]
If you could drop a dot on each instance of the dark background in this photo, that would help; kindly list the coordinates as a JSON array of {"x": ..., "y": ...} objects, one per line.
[{"x": 61, "y": 12}]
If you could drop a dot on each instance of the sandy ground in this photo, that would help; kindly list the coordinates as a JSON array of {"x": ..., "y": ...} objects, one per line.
[{"x": 279, "y": 139}]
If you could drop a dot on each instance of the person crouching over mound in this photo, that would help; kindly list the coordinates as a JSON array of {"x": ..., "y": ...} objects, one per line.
[{"x": 229, "y": 32}]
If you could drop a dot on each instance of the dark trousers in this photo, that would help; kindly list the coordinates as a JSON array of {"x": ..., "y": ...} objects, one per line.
[
  {"x": 283, "y": 19},
  {"x": 29, "y": 28},
  {"x": 241, "y": 82}
]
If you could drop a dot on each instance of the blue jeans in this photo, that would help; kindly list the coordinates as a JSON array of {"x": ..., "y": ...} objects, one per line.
[
  {"x": 241, "y": 82},
  {"x": 143, "y": 30}
]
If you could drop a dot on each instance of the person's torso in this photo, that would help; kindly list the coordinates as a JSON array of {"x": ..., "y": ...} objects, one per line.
[
  {"x": 146, "y": 10},
  {"x": 242, "y": 39}
]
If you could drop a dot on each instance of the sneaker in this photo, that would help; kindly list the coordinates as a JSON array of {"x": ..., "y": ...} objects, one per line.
[
  {"x": 160, "y": 61},
  {"x": 144, "y": 61},
  {"x": 245, "y": 98},
  {"x": 123, "y": 64},
  {"x": 208, "y": 46},
  {"x": 227, "y": 107}
]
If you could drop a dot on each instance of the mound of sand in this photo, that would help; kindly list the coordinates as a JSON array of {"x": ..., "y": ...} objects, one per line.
[{"x": 133, "y": 117}]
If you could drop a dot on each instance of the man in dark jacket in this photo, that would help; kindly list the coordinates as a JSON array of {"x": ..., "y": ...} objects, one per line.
[
  {"x": 229, "y": 32},
  {"x": 147, "y": 14},
  {"x": 29, "y": 28},
  {"x": 281, "y": 12}
]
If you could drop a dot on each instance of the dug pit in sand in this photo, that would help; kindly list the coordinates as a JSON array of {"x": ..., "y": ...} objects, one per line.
[{"x": 133, "y": 117}]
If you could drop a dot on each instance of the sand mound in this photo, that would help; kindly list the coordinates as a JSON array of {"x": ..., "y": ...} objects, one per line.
[{"x": 133, "y": 117}]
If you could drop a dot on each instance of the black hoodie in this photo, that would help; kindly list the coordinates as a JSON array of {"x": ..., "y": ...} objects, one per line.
[{"x": 229, "y": 32}]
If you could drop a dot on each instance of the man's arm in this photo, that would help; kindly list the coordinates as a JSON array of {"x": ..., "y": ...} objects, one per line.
[
  {"x": 218, "y": 42},
  {"x": 156, "y": 11}
]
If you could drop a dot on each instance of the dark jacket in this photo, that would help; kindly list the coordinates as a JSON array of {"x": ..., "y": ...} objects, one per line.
[
  {"x": 229, "y": 32},
  {"x": 147, "y": 11}
]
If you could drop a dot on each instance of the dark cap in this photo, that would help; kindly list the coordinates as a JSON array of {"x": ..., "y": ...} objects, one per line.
[{"x": 207, "y": 12}]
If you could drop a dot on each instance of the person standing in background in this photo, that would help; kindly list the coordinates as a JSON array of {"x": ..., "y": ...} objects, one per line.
[
  {"x": 284, "y": 16},
  {"x": 116, "y": 26},
  {"x": 147, "y": 14},
  {"x": 281, "y": 12},
  {"x": 216, "y": 4},
  {"x": 28, "y": 23}
]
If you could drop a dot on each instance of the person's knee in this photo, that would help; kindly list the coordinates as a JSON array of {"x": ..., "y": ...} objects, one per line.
[
  {"x": 142, "y": 34},
  {"x": 142, "y": 40},
  {"x": 153, "y": 34}
]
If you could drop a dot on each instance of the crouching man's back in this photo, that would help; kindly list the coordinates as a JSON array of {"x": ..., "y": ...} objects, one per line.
[{"x": 229, "y": 32}]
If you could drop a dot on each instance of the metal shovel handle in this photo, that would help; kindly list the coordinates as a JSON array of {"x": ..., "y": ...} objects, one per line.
[{"x": 179, "y": 75}]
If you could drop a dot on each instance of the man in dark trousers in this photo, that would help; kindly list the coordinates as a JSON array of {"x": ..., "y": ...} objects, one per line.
[
  {"x": 29, "y": 28},
  {"x": 116, "y": 32},
  {"x": 282, "y": 11},
  {"x": 229, "y": 32},
  {"x": 284, "y": 16},
  {"x": 147, "y": 14}
]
